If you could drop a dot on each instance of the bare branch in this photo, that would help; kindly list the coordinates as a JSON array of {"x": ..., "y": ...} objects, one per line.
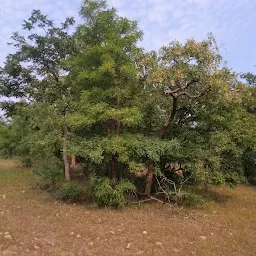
[
  {"x": 175, "y": 94},
  {"x": 189, "y": 95},
  {"x": 193, "y": 81},
  {"x": 181, "y": 185},
  {"x": 168, "y": 91},
  {"x": 153, "y": 198}
]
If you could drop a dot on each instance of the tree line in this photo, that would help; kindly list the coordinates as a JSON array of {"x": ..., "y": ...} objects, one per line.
[{"x": 88, "y": 93}]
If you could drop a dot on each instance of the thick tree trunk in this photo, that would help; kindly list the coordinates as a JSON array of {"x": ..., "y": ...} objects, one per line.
[
  {"x": 65, "y": 153},
  {"x": 149, "y": 181}
]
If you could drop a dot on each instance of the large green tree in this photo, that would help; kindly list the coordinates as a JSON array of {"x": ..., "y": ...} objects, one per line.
[
  {"x": 36, "y": 73},
  {"x": 124, "y": 111}
]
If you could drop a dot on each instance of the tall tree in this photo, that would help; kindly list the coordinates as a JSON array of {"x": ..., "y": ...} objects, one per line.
[
  {"x": 104, "y": 71},
  {"x": 36, "y": 73}
]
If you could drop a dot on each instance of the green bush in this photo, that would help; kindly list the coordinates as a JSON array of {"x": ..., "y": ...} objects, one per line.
[
  {"x": 71, "y": 191},
  {"x": 252, "y": 180},
  {"x": 191, "y": 200},
  {"x": 249, "y": 165},
  {"x": 234, "y": 178},
  {"x": 218, "y": 178},
  {"x": 107, "y": 194},
  {"x": 49, "y": 174},
  {"x": 26, "y": 162}
]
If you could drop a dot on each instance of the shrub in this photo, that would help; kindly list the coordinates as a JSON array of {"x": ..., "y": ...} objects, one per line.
[
  {"x": 252, "y": 180},
  {"x": 191, "y": 200},
  {"x": 71, "y": 191},
  {"x": 107, "y": 194},
  {"x": 249, "y": 165},
  {"x": 49, "y": 174},
  {"x": 26, "y": 162},
  {"x": 218, "y": 178},
  {"x": 234, "y": 178}
]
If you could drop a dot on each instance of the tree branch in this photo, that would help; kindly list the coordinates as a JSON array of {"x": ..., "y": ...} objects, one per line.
[
  {"x": 168, "y": 91},
  {"x": 175, "y": 95},
  {"x": 190, "y": 96},
  {"x": 193, "y": 81}
]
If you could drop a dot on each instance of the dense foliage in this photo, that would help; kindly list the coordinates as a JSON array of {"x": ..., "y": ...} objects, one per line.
[{"x": 94, "y": 96}]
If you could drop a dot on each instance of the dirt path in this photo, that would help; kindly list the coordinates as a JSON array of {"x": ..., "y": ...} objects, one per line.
[{"x": 38, "y": 225}]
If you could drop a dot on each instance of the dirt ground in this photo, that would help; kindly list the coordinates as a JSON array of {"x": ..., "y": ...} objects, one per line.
[{"x": 33, "y": 223}]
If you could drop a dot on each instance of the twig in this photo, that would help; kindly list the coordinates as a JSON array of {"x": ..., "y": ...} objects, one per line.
[
  {"x": 167, "y": 195},
  {"x": 181, "y": 185},
  {"x": 142, "y": 201},
  {"x": 150, "y": 199}
]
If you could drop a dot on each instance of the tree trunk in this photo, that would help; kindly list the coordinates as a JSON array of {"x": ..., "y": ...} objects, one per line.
[
  {"x": 113, "y": 161},
  {"x": 73, "y": 160},
  {"x": 65, "y": 153},
  {"x": 10, "y": 152},
  {"x": 108, "y": 128},
  {"x": 118, "y": 127},
  {"x": 171, "y": 119},
  {"x": 113, "y": 172},
  {"x": 149, "y": 181},
  {"x": 118, "y": 123}
]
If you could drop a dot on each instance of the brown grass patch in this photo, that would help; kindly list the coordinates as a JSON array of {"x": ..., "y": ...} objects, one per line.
[
  {"x": 39, "y": 225},
  {"x": 6, "y": 164}
]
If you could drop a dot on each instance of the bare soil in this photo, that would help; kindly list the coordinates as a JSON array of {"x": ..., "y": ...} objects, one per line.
[{"x": 37, "y": 224}]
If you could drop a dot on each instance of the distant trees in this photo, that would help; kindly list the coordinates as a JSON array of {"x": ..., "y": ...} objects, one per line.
[
  {"x": 7, "y": 140},
  {"x": 124, "y": 112}
]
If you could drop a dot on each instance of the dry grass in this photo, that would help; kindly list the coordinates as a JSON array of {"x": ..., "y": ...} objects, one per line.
[
  {"x": 41, "y": 226},
  {"x": 8, "y": 164}
]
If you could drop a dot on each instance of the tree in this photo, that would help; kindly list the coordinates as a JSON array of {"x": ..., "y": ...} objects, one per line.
[
  {"x": 179, "y": 79},
  {"x": 125, "y": 112},
  {"x": 7, "y": 140},
  {"x": 248, "y": 94},
  {"x": 104, "y": 72},
  {"x": 36, "y": 73}
]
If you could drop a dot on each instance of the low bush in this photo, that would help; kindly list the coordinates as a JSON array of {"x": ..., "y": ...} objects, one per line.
[
  {"x": 234, "y": 178},
  {"x": 106, "y": 193},
  {"x": 49, "y": 174},
  {"x": 72, "y": 192},
  {"x": 26, "y": 162},
  {"x": 191, "y": 200}
]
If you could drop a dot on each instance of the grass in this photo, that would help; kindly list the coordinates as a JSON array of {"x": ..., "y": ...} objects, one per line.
[{"x": 39, "y": 225}]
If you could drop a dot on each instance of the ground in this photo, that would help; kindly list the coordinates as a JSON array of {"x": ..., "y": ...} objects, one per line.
[{"x": 37, "y": 224}]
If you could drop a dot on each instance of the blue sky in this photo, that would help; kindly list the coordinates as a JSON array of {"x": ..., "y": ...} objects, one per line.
[{"x": 233, "y": 23}]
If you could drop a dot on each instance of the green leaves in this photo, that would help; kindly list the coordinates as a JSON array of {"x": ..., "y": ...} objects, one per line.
[
  {"x": 128, "y": 147},
  {"x": 99, "y": 96}
]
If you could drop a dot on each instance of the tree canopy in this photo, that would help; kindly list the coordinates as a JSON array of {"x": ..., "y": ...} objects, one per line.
[{"x": 93, "y": 94}]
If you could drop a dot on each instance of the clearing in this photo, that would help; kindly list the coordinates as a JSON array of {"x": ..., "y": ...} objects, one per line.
[{"x": 36, "y": 224}]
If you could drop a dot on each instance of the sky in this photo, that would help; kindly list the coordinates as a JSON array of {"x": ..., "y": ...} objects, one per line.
[{"x": 233, "y": 23}]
